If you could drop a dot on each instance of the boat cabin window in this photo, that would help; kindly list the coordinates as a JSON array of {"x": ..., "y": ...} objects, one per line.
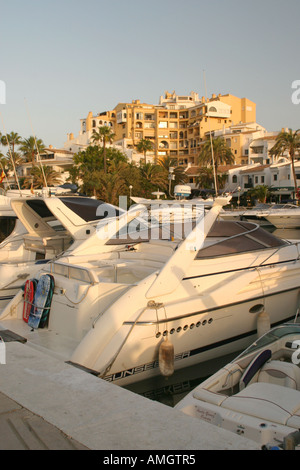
[
  {"x": 7, "y": 224},
  {"x": 240, "y": 237},
  {"x": 42, "y": 210},
  {"x": 90, "y": 209}
]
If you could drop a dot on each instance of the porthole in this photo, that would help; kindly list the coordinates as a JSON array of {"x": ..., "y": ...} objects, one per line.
[{"x": 185, "y": 328}]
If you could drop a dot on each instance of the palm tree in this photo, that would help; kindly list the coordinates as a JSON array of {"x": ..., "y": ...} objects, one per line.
[
  {"x": 180, "y": 175},
  {"x": 17, "y": 160},
  {"x": 205, "y": 178},
  {"x": 3, "y": 164},
  {"x": 222, "y": 155},
  {"x": 31, "y": 147},
  {"x": 3, "y": 160},
  {"x": 144, "y": 146},
  {"x": 104, "y": 135},
  {"x": 112, "y": 186},
  {"x": 37, "y": 180},
  {"x": 12, "y": 140},
  {"x": 154, "y": 175},
  {"x": 288, "y": 141},
  {"x": 260, "y": 192}
]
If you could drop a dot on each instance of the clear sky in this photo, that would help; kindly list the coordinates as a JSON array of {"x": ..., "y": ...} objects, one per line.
[{"x": 60, "y": 59}]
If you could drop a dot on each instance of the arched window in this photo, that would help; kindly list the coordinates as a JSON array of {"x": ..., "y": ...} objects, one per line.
[
  {"x": 163, "y": 145},
  {"x": 213, "y": 109}
]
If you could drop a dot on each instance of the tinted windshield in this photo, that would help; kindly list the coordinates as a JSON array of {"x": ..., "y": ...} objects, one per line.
[
  {"x": 272, "y": 336},
  {"x": 240, "y": 237}
]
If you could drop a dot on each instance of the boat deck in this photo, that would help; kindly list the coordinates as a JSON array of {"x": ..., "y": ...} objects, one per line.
[{"x": 47, "y": 403}]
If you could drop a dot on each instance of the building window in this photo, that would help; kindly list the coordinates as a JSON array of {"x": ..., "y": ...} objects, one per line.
[
  {"x": 163, "y": 124},
  {"x": 275, "y": 177},
  {"x": 234, "y": 179}
]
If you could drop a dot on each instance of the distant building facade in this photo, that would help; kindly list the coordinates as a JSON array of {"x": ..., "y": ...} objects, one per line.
[{"x": 176, "y": 126}]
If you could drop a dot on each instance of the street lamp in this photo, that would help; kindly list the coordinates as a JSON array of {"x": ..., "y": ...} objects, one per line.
[
  {"x": 171, "y": 177},
  {"x": 239, "y": 191}
]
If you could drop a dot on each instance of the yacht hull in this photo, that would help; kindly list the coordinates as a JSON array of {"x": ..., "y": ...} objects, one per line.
[
  {"x": 284, "y": 221},
  {"x": 220, "y": 319}
]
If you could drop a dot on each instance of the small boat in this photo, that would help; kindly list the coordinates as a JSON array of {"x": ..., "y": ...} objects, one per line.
[
  {"x": 133, "y": 306},
  {"x": 257, "y": 395},
  {"x": 285, "y": 216},
  {"x": 255, "y": 214}
]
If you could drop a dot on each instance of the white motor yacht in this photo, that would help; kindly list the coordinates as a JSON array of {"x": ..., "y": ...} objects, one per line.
[
  {"x": 49, "y": 225},
  {"x": 257, "y": 395},
  {"x": 128, "y": 308}
]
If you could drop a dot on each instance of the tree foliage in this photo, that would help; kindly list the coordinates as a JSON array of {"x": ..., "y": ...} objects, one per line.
[
  {"x": 122, "y": 177},
  {"x": 260, "y": 193},
  {"x": 288, "y": 141},
  {"x": 215, "y": 154}
]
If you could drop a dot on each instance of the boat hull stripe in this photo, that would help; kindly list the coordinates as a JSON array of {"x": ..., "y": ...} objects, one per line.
[
  {"x": 184, "y": 355},
  {"x": 212, "y": 309}
]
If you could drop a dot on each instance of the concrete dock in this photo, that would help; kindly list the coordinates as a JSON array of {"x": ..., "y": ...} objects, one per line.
[{"x": 46, "y": 403}]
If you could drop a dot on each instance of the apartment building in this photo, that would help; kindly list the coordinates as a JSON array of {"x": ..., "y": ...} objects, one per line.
[
  {"x": 176, "y": 126},
  {"x": 277, "y": 176},
  {"x": 260, "y": 146}
]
